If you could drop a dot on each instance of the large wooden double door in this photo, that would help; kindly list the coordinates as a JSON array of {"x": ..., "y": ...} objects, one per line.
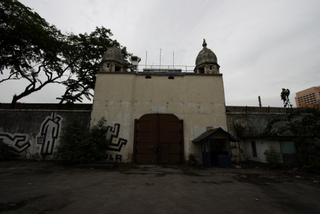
[{"x": 158, "y": 139}]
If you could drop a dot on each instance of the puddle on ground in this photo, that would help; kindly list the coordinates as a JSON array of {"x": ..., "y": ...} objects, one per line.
[{"x": 12, "y": 206}]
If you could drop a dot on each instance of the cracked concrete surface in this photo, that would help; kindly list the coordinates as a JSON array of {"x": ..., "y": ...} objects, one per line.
[{"x": 36, "y": 187}]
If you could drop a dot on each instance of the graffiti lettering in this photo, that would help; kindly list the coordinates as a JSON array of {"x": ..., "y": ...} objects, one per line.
[
  {"x": 49, "y": 133},
  {"x": 116, "y": 158},
  {"x": 18, "y": 141},
  {"x": 112, "y": 135}
]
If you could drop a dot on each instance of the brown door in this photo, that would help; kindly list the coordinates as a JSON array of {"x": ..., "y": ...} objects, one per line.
[{"x": 158, "y": 139}]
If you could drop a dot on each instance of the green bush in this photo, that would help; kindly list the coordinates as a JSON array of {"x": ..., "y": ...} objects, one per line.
[
  {"x": 273, "y": 157},
  {"x": 79, "y": 144},
  {"x": 312, "y": 168},
  {"x": 239, "y": 129},
  {"x": 7, "y": 152}
]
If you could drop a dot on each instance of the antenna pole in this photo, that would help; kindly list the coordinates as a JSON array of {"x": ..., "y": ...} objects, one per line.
[
  {"x": 259, "y": 99},
  {"x": 173, "y": 59},
  {"x": 145, "y": 63},
  {"x": 160, "y": 59}
]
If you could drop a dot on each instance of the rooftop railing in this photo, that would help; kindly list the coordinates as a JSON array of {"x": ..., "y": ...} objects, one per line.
[{"x": 164, "y": 69}]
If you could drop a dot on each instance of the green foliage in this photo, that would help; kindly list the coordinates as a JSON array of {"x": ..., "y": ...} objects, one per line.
[
  {"x": 84, "y": 57},
  {"x": 273, "y": 157},
  {"x": 303, "y": 125},
  {"x": 312, "y": 168},
  {"x": 30, "y": 49},
  {"x": 36, "y": 51},
  {"x": 26, "y": 39},
  {"x": 79, "y": 144},
  {"x": 239, "y": 129},
  {"x": 314, "y": 162},
  {"x": 7, "y": 152},
  {"x": 285, "y": 97}
]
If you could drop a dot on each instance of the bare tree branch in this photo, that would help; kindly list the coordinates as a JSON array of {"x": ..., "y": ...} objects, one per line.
[{"x": 10, "y": 77}]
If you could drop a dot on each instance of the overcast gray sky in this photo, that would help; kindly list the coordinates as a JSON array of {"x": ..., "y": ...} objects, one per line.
[{"x": 262, "y": 46}]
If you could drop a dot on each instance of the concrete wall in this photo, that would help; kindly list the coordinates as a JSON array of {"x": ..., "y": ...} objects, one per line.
[
  {"x": 254, "y": 120},
  {"x": 196, "y": 99},
  {"x": 36, "y": 132},
  {"x": 48, "y": 106},
  {"x": 27, "y": 128},
  {"x": 261, "y": 145}
]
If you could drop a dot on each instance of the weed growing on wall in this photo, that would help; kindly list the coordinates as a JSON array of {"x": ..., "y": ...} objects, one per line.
[
  {"x": 303, "y": 125},
  {"x": 239, "y": 129},
  {"x": 273, "y": 157},
  {"x": 79, "y": 144}
]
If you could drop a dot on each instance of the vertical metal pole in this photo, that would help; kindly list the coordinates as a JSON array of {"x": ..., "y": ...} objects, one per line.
[
  {"x": 145, "y": 64},
  {"x": 173, "y": 60},
  {"x": 160, "y": 59},
  {"x": 259, "y": 99}
]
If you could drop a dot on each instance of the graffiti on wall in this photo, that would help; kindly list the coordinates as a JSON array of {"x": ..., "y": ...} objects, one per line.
[
  {"x": 49, "y": 133},
  {"x": 116, "y": 143},
  {"x": 112, "y": 157},
  {"x": 18, "y": 141}
]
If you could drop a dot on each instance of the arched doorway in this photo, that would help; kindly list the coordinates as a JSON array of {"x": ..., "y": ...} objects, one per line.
[{"x": 158, "y": 139}]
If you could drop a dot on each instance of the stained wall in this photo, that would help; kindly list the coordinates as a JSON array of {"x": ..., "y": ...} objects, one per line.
[
  {"x": 254, "y": 121},
  {"x": 197, "y": 99},
  {"x": 36, "y": 132}
]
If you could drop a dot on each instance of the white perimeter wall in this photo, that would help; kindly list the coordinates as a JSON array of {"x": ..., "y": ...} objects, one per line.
[{"x": 262, "y": 146}]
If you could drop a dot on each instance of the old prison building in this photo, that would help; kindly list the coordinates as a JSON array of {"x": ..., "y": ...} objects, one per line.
[
  {"x": 158, "y": 113},
  {"x": 154, "y": 116}
]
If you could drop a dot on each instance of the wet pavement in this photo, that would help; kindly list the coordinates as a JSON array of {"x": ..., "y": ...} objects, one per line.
[{"x": 44, "y": 187}]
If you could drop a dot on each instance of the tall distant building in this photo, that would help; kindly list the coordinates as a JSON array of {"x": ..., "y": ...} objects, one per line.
[{"x": 308, "y": 98}]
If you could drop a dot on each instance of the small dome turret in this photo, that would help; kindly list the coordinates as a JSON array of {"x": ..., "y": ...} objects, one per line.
[
  {"x": 206, "y": 61},
  {"x": 112, "y": 60},
  {"x": 113, "y": 54}
]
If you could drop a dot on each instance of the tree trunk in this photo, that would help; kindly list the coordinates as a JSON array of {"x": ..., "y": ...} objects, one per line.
[{"x": 13, "y": 102}]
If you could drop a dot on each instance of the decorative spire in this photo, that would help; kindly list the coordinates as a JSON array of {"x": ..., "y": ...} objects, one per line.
[
  {"x": 204, "y": 44},
  {"x": 115, "y": 43}
]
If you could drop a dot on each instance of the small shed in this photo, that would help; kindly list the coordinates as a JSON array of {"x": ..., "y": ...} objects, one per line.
[{"x": 215, "y": 147}]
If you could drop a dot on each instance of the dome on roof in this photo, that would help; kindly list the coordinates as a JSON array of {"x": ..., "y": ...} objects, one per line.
[
  {"x": 113, "y": 54},
  {"x": 206, "y": 62},
  {"x": 206, "y": 55}
]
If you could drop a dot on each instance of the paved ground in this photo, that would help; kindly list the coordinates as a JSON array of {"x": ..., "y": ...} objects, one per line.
[{"x": 36, "y": 187}]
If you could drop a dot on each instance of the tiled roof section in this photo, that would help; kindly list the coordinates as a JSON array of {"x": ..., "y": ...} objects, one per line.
[{"x": 212, "y": 132}]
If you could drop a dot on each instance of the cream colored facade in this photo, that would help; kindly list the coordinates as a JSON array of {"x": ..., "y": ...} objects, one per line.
[{"x": 122, "y": 97}]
